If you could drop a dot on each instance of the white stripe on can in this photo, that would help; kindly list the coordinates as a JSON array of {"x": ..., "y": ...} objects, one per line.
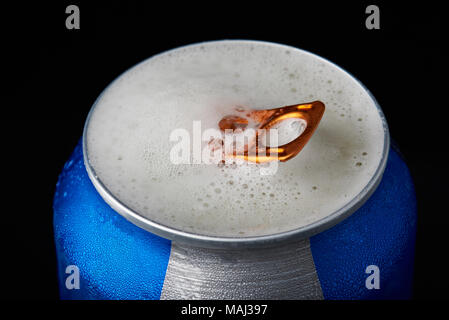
[{"x": 281, "y": 272}]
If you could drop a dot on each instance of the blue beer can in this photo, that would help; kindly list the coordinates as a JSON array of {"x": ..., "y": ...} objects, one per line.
[{"x": 365, "y": 250}]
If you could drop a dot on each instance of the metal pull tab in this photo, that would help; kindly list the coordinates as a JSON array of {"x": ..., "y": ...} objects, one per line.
[{"x": 311, "y": 113}]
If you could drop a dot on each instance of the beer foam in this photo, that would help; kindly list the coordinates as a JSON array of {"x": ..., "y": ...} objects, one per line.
[{"x": 128, "y": 142}]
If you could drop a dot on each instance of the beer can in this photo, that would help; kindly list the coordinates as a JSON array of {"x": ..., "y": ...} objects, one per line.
[{"x": 365, "y": 250}]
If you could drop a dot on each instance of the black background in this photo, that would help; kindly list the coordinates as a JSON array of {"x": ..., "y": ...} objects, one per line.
[{"x": 55, "y": 75}]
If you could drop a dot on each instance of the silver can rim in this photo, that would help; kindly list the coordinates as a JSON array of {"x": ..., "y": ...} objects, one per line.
[{"x": 240, "y": 242}]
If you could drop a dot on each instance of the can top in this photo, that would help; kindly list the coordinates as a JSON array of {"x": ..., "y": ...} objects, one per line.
[{"x": 141, "y": 127}]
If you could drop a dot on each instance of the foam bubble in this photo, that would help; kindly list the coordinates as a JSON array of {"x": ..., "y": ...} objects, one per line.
[{"x": 128, "y": 138}]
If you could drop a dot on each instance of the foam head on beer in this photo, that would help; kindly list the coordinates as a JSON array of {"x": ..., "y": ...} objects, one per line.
[{"x": 128, "y": 139}]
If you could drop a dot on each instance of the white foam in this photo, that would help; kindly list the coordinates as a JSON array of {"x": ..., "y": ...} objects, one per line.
[{"x": 128, "y": 138}]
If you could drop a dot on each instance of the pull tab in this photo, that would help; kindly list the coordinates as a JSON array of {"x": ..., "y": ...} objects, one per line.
[{"x": 311, "y": 113}]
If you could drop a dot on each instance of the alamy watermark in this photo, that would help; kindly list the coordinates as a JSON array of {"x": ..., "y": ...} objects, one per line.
[
  {"x": 73, "y": 19},
  {"x": 373, "y": 19},
  {"x": 373, "y": 280},
  {"x": 231, "y": 146},
  {"x": 73, "y": 279}
]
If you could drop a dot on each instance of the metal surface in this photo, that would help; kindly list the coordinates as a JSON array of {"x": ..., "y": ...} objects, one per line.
[
  {"x": 242, "y": 242},
  {"x": 284, "y": 272}
]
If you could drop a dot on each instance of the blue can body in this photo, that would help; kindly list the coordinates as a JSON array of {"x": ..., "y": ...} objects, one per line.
[{"x": 118, "y": 260}]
